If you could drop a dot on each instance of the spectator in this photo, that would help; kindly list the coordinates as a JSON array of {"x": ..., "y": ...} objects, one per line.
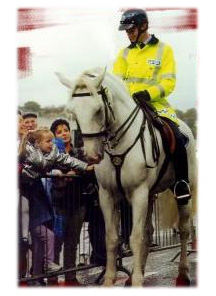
[
  {"x": 23, "y": 201},
  {"x": 68, "y": 206},
  {"x": 30, "y": 121},
  {"x": 23, "y": 214},
  {"x": 21, "y": 126},
  {"x": 39, "y": 155}
]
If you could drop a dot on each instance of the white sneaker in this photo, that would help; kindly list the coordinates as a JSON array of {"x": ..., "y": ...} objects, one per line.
[{"x": 52, "y": 267}]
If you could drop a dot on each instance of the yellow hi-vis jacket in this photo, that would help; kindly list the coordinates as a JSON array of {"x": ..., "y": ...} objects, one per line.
[{"x": 150, "y": 68}]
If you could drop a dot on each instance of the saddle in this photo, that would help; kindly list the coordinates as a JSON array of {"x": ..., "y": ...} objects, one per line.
[{"x": 167, "y": 134}]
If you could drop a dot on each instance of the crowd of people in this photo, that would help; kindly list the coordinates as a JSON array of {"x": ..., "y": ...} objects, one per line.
[{"x": 58, "y": 192}]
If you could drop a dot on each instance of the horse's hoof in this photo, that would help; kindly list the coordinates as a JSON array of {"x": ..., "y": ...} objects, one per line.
[
  {"x": 182, "y": 281},
  {"x": 128, "y": 282},
  {"x": 108, "y": 283}
]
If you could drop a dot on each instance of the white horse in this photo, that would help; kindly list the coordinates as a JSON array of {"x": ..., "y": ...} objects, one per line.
[{"x": 111, "y": 125}]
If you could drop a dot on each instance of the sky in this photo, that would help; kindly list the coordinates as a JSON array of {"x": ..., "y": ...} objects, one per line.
[{"x": 86, "y": 38}]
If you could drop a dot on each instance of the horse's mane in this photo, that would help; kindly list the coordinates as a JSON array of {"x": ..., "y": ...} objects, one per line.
[{"x": 119, "y": 88}]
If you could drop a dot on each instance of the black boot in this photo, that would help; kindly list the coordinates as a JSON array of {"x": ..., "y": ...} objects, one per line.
[{"x": 181, "y": 188}]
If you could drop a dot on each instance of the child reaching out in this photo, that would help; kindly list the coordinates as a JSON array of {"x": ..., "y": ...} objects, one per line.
[{"x": 39, "y": 155}]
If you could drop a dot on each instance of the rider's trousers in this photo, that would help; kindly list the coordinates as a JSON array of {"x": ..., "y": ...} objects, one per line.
[{"x": 180, "y": 155}]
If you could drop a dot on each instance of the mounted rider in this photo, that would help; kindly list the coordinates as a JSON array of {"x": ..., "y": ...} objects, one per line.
[{"x": 148, "y": 67}]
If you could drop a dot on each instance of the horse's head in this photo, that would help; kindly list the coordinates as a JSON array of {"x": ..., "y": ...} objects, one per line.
[{"x": 89, "y": 105}]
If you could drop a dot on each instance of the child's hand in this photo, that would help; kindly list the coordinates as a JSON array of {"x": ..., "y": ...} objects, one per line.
[
  {"x": 56, "y": 173},
  {"x": 90, "y": 167},
  {"x": 71, "y": 173}
]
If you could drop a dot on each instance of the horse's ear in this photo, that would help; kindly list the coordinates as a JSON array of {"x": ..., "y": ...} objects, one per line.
[
  {"x": 65, "y": 81},
  {"x": 100, "y": 78}
]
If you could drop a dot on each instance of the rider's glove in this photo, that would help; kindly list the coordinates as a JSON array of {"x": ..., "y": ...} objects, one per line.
[{"x": 141, "y": 97}]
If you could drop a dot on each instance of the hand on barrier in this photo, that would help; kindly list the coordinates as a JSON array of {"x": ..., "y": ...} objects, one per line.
[
  {"x": 71, "y": 173},
  {"x": 56, "y": 173},
  {"x": 28, "y": 173},
  {"x": 90, "y": 167}
]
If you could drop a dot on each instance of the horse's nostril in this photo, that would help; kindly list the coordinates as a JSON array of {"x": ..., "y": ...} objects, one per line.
[{"x": 95, "y": 159}]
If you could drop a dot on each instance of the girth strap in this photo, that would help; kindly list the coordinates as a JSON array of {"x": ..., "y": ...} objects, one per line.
[{"x": 162, "y": 172}]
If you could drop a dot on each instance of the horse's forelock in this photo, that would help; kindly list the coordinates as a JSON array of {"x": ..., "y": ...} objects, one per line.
[
  {"x": 84, "y": 81},
  {"x": 114, "y": 83}
]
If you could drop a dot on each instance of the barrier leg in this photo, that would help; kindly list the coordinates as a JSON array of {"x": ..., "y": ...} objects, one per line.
[{"x": 119, "y": 267}]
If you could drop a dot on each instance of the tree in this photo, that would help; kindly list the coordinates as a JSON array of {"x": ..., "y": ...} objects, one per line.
[
  {"x": 190, "y": 118},
  {"x": 180, "y": 114},
  {"x": 32, "y": 106}
]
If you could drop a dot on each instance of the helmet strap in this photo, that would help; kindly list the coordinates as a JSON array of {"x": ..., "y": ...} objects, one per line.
[{"x": 140, "y": 31}]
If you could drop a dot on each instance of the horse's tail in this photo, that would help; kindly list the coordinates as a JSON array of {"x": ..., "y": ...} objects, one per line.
[{"x": 168, "y": 211}]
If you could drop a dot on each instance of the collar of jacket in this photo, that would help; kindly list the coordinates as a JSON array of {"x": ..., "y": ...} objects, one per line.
[{"x": 152, "y": 41}]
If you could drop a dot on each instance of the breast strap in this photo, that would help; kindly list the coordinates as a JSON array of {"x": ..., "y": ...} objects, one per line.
[{"x": 118, "y": 160}]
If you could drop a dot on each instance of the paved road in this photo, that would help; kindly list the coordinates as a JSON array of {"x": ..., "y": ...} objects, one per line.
[{"x": 160, "y": 271}]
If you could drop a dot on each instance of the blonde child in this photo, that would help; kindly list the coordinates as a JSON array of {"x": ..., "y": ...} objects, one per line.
[{"x": 39, "y": 155}]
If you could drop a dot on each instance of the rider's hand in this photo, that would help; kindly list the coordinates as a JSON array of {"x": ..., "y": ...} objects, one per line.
[{"x": 141, "y": 96}]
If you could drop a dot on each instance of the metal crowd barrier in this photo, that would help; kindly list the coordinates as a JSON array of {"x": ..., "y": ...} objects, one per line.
[{"x": 162, "y": 238}]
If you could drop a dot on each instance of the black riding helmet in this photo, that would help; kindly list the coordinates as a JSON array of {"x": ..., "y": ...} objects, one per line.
[{"x": 131, "y": 18}]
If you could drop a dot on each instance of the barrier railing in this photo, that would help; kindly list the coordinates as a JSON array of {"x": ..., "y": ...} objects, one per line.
[{"x": 82, "y": 201}]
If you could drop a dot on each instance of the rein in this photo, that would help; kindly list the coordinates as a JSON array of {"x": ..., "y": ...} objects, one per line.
[{"x": 131, "y": 117}]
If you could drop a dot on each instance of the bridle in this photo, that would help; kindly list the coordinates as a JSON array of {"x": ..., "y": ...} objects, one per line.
[
  {"x": 108, "y": 112},
  {"x": 107, "y": 109}
]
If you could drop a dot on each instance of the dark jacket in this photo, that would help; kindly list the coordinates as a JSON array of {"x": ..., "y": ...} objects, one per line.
[
  {"x": 67, "y": 195},
  {"x": 40, "y": 204}
]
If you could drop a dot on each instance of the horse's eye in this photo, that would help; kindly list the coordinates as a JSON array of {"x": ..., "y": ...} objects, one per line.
[
  {"x": 99, "y": 115},
  {"x": 98, "y": 112}
]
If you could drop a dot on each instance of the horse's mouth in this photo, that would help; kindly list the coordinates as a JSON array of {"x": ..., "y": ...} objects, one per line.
[{"x": 95, "y": 159}]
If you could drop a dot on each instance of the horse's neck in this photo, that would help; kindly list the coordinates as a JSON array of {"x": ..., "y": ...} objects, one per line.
[{"x": 122, "y": 111}]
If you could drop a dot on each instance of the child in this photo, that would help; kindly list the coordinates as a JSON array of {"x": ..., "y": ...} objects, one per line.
[{"x": 39, "y": 155}]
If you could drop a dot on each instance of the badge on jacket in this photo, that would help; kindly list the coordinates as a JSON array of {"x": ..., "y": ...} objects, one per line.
[{"x": 154, "y": 62}]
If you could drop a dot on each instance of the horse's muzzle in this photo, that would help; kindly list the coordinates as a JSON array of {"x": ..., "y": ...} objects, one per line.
[{"x": 95, "y": 159}]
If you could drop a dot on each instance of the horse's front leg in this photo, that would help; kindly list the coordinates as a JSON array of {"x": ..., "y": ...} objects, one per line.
[
  {"x": 139, "y": 201},
  {"x": 184, "y": 230},
  {"x": 111, "y": 218},
  {"x": 148, "y": 231}
]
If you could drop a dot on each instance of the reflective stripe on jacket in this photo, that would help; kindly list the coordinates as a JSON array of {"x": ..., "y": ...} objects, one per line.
[{"x": 151, "y": 68}]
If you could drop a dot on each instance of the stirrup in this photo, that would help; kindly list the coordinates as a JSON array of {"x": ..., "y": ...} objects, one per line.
[{"x": 184, "y": 195}]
